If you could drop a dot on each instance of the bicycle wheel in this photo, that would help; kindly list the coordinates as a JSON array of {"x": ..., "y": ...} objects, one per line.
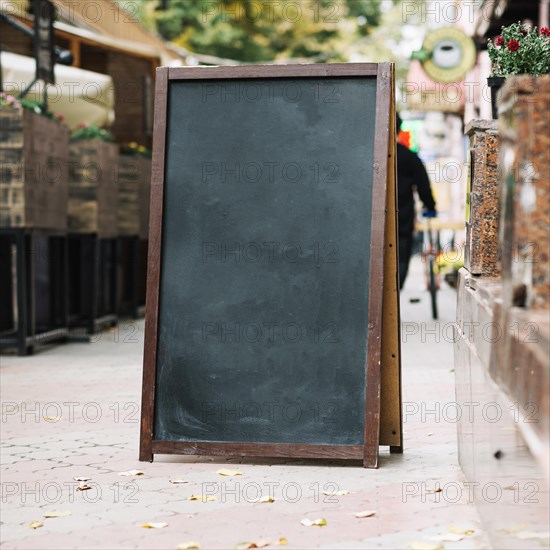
[{"x": 433, "y": 289}]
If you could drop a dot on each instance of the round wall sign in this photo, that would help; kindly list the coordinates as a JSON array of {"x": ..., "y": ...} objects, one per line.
[{"x": 447, "y": 54}]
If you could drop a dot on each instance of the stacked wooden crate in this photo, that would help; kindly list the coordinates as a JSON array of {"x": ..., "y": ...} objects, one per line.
[
  {"x": 93, "y": 188},
  {"x": 134, "y": 187},
  {"x": 34, "y": 161}
]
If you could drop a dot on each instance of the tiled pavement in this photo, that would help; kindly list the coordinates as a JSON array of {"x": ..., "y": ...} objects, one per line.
[{"x": 73, "y": 411}]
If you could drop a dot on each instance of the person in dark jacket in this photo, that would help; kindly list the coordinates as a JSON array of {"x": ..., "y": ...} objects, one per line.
[{"x": 411, "y": 176}]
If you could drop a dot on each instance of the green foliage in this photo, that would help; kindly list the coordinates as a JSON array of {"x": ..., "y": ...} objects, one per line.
[
  {"x": 91, "y": 131},
  {"x": 29, "y": 104},
  {"x": 254, "y": 30},
  {"x": 520, "y": 49}
]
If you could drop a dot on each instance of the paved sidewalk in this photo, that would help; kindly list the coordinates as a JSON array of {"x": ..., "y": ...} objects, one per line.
[{"x": 73, "y": 411}]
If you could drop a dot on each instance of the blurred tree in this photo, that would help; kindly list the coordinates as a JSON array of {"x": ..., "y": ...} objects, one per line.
[
  {"x": 400, "y": 31},
  {"x": 265, "y": 30}
]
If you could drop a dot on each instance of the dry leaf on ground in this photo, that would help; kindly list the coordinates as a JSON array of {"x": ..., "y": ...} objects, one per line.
[
  {"x": 208, "y": 498},
  {"x": 35, "y": 524},
  {"x": 282, "y": 541},
  {"x": 226, "y": 472},
  {"x": 131, "y": 473},
  {"x": 57, "y": 514},
  {"x": 319, "y": 522},
  {"x": 435, "y": 490},
  {"x": 158, "y": 525},
  {"x": 82, "y": 478},
  {"x": 263, "y": 499},
  {"x": 188, "y": 546},
  {"x": 51, "y": 418},
  {"x": 365, "y": 514},
  {"x": 336, "y": 493},
  {"x": 83, "y": 487},
  {"x": 448, "y": 537},
  {"x": 178, "y": 481},
  {"x": 458, "y": 531},
  {"x": 513, "y": 530},
  {"x": 252, "y": 544}
]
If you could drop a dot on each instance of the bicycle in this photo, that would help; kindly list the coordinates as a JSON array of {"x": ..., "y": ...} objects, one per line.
[{"x": 431, "y": 251}]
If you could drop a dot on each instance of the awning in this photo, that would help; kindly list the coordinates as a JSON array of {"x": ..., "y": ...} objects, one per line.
[{"x": 78, "y": 95}]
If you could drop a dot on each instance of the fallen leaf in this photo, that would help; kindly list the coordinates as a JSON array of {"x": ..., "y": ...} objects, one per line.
[
  {"x": 83, "y": 487},
  {"x": 178, "y": 481},
  {"x": 131, "y": 473},
  {"x": 365, "y": 514},
  {"x": 82, "y": 478},
  {"x": 226, "y": 472},
  {"x": 527, "y": 535},
  {"x": 252, "y": 544},
  {"x": 336, "y": 493},
  {"x": 51, "y": 418},
  {"x": 208, "y": 498},
  {"x": 513, "y": 530},
  {"x": 319, "y": 522},
  {"x": 282, "y": 541},
  {"x": 264, "y": 499},
  {"x": 425, "y": 546},
  {"x": 459, "y": 531},
  {"x": 56, "y": 514},
  {"x": 35, "y": 524},
  {"x": 447, "y": 537},
  {"x": 158, "y": 525},
  {"x": 436, "y": 490},
  {"x": 188, "y": 546}
]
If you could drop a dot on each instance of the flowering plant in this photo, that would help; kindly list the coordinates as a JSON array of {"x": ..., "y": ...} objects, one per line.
[
  {"x": 37, "y": 107},
  {"x": 91, "y": 131},
  {"x": 9, "y": 101},
  {"x": 135, "y": 150},
  {"x": 520, "y": 49}
]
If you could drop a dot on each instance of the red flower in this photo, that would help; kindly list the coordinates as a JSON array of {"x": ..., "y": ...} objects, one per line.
[
  {"x": 513, "y": 45},
  {"x": 545, "y": 31},
  {"x": 499, "y": 41}
]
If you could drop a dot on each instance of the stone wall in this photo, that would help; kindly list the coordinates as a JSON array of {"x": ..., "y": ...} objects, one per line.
[
  {"x": 502, "y": 349},
  {"x": 525, "y": 163}
]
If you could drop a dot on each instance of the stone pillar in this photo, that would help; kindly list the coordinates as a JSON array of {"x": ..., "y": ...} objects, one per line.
[{"x": 481, "y": 256}]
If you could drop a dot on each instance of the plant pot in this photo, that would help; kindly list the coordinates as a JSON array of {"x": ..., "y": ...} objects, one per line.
[
  {"x": 34, "y": 161},
  {"x": 495, "y": 84},
  {"x": 93, "y": 187}
]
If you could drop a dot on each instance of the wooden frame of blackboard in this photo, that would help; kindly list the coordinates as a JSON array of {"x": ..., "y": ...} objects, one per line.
[{"x": 383, "y": 159}]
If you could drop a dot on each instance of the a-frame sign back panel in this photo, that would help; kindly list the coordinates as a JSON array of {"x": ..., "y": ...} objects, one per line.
[{"x": 266, "y": 263}]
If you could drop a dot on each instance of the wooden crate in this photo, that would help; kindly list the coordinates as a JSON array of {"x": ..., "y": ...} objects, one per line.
[
  {"x": 134, "y": 188},
  {"x": 93, "y": 188},
  {"x": 34, "y": 163}
]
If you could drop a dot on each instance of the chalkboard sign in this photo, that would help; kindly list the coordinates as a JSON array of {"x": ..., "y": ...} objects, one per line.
[{"x": 270, "y": 262}]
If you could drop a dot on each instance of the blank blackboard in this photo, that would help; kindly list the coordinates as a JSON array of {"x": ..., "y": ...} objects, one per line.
[{"x": 266, "y": 261}]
